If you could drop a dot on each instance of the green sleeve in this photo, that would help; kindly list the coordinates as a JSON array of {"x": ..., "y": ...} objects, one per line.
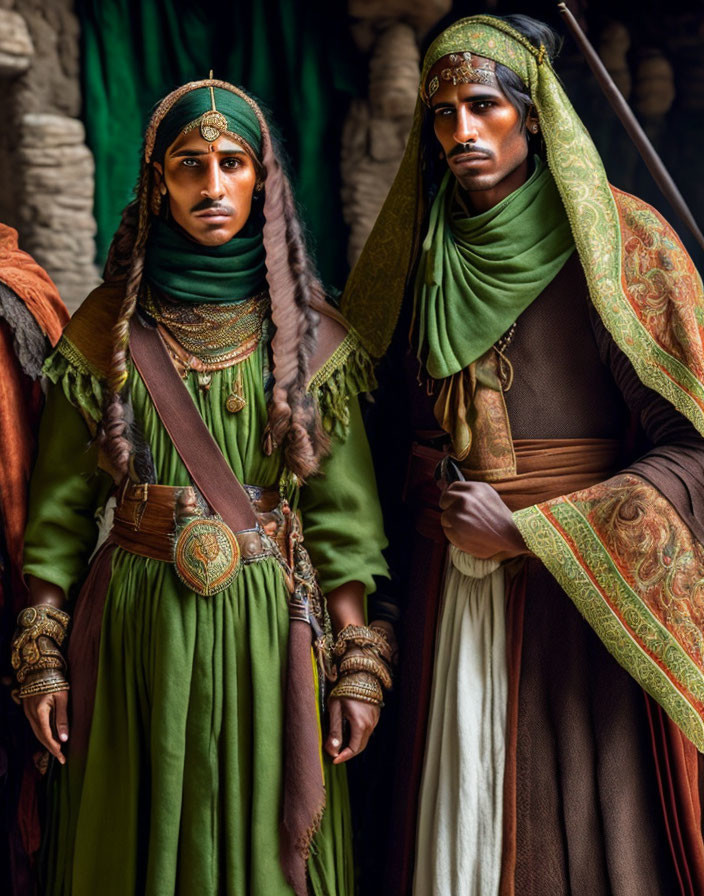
[
  {"x": 66, "y": 489},
  {"x": 342, "y": 522}
]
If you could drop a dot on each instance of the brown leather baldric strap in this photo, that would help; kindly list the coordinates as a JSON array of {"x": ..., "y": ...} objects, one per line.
[{"x": 196, "y": 447}]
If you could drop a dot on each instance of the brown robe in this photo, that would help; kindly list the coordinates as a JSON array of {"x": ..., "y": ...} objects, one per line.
[{"x": 601, "y": 788}]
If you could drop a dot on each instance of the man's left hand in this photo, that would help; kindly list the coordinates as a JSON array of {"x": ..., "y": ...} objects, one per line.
[
  {"x": 477, "y": 521},
  {"x": 361, "y": 717}
]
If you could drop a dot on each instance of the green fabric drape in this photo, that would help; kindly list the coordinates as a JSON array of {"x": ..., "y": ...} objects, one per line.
[
  {"x": 191, "y": 272},
  {"x": 293, "y": 56},
  {"x": 467, "y": 295}
]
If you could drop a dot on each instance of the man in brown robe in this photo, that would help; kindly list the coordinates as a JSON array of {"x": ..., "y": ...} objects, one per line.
[
  {"x": 32, "y": 316},
  {"x": 567, "y": 389}
]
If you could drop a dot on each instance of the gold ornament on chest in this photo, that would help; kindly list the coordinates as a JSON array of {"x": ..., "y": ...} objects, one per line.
[{"x": 203, "y": 338}]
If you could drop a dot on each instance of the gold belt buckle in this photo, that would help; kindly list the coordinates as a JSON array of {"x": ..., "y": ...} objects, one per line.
[{"x": 207, "y": 555}]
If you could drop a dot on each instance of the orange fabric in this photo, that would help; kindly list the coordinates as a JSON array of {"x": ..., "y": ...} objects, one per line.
[
  {"x": 32, "y": 284},
  {"x": 676, "y": 764},
  {"x": 549, "y": 468},
  {"x": 20, "y": 406},
  {"x": 21, "y": 398},
  {"x": 545, "y": 469}
]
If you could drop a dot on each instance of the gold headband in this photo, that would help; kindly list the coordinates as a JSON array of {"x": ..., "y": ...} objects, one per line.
[{"x": 464, "y": 68}]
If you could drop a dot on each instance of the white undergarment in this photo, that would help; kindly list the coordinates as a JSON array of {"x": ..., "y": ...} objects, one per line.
[{"x": 458, "y": 848}]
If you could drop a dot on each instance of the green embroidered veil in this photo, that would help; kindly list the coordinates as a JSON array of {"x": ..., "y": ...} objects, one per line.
[{"x": 670, "y": 362}]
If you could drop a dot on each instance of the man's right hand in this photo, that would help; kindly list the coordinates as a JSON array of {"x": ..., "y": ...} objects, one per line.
[{"x": 48, "y": 716}]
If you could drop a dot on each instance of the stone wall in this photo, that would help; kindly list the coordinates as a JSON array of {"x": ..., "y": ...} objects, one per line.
[
  {"x": 376, "y": 129},
  {"x": 46, "y": 169}
]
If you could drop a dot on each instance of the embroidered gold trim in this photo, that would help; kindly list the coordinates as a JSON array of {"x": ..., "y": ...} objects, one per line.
[
  {"x": 336, "y": 360},
  {"x": 76, "y": 359},
  {"x": 207, "y": 336}
]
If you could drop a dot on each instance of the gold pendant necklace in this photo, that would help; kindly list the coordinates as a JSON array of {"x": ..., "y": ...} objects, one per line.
[{"x": 235, "y": 400}]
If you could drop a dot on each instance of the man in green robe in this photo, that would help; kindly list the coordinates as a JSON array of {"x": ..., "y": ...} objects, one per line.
[
  {"x": 552, "y": 680},
  {"x": 191, "y": 733}
]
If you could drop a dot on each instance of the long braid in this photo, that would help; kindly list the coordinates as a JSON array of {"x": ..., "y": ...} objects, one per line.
[
  {"x": 293, "y": 417},
  {"x": 116, "y": 441}
]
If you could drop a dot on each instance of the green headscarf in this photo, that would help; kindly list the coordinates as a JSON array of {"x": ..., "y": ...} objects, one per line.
[
  {"x": 241, "y": 118},
  {"x": 191, "y": 272},
  {"x": 477, "y": 273}
]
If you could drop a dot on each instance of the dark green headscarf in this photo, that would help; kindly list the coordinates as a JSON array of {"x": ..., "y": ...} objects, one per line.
[
  {"x": 191, "y": 272},
  {"x": 241, "y": 118}
]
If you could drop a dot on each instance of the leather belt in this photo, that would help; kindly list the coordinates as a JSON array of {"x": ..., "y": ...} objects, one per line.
[{"x": 147, "y": 518}]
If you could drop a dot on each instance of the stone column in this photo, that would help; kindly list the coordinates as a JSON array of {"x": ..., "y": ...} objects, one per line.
[
  {"x": 47, "y": 193},
  {"x": 376, "y": 129}
]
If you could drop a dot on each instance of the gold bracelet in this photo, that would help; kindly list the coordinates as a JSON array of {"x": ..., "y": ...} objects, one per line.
[
  {"x": 48, "y": 660},
  {"x": 372, "y": 653},
  {"x": 359, "y": 686},
  {"x": 363, "y": 636},
  {"x": 51, "y": 684},
  {"x": 361, "y": 662},
  {"x": 41, "y": 630}
]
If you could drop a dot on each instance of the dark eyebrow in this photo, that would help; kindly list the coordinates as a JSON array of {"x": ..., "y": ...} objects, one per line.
[
  {"x": 474, "y": 98},
  {"x": 204, "y": 152},
  {"x": 480, "y": 98}
]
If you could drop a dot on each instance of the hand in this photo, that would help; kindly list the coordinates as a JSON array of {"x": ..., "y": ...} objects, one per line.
[
  {"x": 48, "y": 716},
  {"x": 362, "y": 718},
  {"x": 477, "y": 521}
]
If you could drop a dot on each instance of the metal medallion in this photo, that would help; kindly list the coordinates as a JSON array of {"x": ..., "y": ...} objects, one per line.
[
  {"x": 212, "y": 124},
  {"x": 207, "y": 555}
]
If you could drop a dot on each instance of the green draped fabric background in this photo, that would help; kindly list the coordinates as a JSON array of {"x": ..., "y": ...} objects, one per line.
[{"x": 297, "y": 57}]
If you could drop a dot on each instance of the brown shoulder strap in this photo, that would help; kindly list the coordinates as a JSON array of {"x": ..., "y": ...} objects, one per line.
[{"x": 205, "y": 462}]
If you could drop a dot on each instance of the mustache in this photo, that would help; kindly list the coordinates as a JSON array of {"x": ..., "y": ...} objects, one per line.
[
  {"x": 462, "y": 148},
  {"x": 207, "y": 204}
]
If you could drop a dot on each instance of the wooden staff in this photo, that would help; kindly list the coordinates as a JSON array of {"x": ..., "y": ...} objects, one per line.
[{"x": 646, "y": 149}]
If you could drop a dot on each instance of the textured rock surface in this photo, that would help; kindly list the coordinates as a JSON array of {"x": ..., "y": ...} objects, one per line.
[
  {"x": 376, "y": 129},
  {"x": 421, "y": 14},
  {"x": 654, "y": 85},
  {"x": 393, "y": 73},
  {"x": 16, "y": 48},
  {"x": 614, "y": 44},
  {"x": 56, "y": 214},
  {"x": 46, "y": 169}
]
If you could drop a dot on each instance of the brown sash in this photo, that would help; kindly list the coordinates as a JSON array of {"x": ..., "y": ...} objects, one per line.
[{"x": 192, "y": 439}]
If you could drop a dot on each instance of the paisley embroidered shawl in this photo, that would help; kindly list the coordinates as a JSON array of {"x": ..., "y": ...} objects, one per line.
[{"x": 619, "y": 549}]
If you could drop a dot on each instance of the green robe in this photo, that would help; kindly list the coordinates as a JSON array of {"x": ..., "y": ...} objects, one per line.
[{"x": 180, "y": 792}]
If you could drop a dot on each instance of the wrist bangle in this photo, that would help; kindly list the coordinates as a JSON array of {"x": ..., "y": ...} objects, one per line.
[
  {"x": 360, "y": 662},
  {"x": 363, "y": 636},
  {"x": 49, "y": 683},
  {"x": 359, "y": 686}
]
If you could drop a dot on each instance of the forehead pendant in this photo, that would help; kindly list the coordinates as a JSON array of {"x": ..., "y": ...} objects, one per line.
[{"x": 212, "y": 123}]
